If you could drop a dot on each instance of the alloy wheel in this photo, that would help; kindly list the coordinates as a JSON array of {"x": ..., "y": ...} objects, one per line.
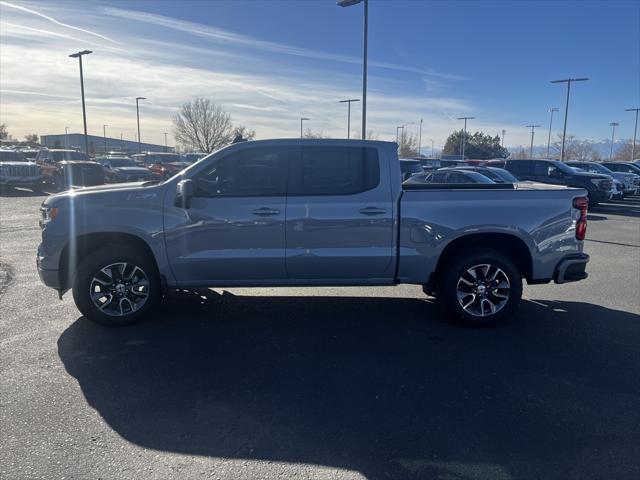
[
  {"x": 119, "y": 289},
  {"x": 483, "y": 290}
]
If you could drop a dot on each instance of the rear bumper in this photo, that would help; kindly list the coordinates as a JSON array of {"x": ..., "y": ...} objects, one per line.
[
  {"x": 20, "y": 181},
  {"x": 571, "y": 269}
]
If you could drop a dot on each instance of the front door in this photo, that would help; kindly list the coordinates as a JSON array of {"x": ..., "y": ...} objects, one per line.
[
  {"x": 339, "y": 214},
  {"x": 234, "y": 230}
]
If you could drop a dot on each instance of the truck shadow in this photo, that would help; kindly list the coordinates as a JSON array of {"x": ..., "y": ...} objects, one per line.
[{"x": 382, "y": 386}]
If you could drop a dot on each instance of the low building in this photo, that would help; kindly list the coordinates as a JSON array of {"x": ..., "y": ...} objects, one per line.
[{"x": 97, "y": 144}]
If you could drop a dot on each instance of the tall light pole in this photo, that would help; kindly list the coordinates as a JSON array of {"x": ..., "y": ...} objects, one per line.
[
  {"x": 348, "y": 3},
  {"x": 613, "y": 126},
  {"x": 420, "y": 139},
  {"x": 104, "y": 135},
  {"x": 504, "y": 132},
  {"x": 165, "y": 142},
  {"x": 138, "y": 118},
  {"x": 431, "y": 148},
  {"x": 66, "y": 137},
  {"x": 302, "y": 119},
  {"x": 635, "y": 130},
  {"x": 552, "y": 110},
  {"x": 121, "y": 149},
  {"x": 348, "y": 102},
  {"x": 568, "y": 81},
  {"x": 464, "y": 133},
  {"x": 79, "y": 55},
  {"x": 533, "y": 132}
]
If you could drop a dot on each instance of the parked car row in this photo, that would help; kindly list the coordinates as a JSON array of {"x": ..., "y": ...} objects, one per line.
[
  {"x": 62, "y": 169},
  {"x": 603, "y": 181}
]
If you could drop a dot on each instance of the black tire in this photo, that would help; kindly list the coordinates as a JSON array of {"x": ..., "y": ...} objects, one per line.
[
  {"x": 452, "y": 276},
  {"x": 91, "y": 266}
]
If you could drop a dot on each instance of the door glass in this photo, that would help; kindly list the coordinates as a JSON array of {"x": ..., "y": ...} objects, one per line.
[
  {"x": 336, "y": 171},
  {"x": 247, "y": 173}
]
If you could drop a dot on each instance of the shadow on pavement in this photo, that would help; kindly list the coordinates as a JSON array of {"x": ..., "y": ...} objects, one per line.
[{"x": 382, "y": 386}]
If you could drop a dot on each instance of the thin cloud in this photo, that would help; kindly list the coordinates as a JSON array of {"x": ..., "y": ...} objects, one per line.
[
  {"x": 53, "y": 20},
  {"x": 229, "y": 37}
]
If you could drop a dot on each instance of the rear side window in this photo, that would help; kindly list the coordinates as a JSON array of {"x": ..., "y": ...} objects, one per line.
[
  {"x": 334, "y": 171},
  {"x": 519, "y": 167},
  {"x": 248, "y": 173}
]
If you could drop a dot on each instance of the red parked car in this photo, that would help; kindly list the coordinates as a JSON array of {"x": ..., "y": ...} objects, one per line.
[{"x": 163, "y": 164}]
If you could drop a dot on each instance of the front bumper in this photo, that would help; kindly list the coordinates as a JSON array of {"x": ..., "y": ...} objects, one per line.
[
  {"x": 50, "y": 277},
  {"x": 571, "y": 269}
]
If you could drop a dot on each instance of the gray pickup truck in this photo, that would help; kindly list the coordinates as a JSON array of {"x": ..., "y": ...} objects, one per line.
[{"x": 309, "y": 213}]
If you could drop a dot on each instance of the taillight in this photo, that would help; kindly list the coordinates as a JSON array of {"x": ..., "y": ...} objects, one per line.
[{"x": 582, "y": 204}]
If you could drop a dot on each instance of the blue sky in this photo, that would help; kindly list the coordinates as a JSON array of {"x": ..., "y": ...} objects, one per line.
[{"x": 270, "y": 62}]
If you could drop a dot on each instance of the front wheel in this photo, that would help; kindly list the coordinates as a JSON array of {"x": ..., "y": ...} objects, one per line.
[
  {"x": 116, "y": 286},
  {"x": 481, "y": 287}
]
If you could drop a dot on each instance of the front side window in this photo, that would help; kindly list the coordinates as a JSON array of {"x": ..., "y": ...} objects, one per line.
[
  {"x": 251, "y": 172},
  {"x": 519, "y": 167},
  {"x": 335, "y": 171}
]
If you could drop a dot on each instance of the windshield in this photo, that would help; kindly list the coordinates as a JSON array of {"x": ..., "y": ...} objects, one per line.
[
  {"x": 11, "y": 156},
  {"x": 501, "y": 174},
  {"x": 563, "y": 167},
  {"x": 596, "y": 167},
  {"x": 121, "y": 162},
  {"x": 30, "y": 154},
  {"x": 84, "y": 175},
  {"x": 60, "y": 155}
]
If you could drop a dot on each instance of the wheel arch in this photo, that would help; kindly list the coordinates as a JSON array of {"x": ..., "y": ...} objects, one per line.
[
  {"x": 77, "y": 249},
  {"x": 511, "y": 245}
]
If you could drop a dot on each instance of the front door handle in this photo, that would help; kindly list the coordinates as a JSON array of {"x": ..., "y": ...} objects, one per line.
[
  {"x": 265, "y": 212},
  {"x": 372, "y": 211}
]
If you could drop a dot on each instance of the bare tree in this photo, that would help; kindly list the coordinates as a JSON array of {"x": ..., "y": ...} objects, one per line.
[
  {"x": 32, "y": 138},
  {"x": 308, "y": 133},
  {"x": 4, "y": 134},
  {"x": 407, "y": 145},
  {"x": 576, "y": 149},
  {"x": 203, "y": 126},
  {"x": 624, "y": 152}
]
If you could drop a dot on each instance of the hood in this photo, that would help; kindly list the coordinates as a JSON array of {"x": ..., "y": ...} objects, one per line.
[
  {"x": 100, "y": 190},
  {"x": 623, "y": 176},
  {"x": 132, "y": 170},
  {"x": 179, "y": 165},
  {"x": 17, "y": 164}
]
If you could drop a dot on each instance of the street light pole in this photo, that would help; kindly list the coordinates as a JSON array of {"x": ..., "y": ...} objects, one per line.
[
  {"x": 165, "y": 142},
  {"x": 121, "y": 142},
  {"x": 400, "y": 139},
  {"x": 420, "y": 139},
  {"x": 552, "y": 109},
  {"x": 302, "y": 119},
  {"x": 504, "y": 132},
  {"x": 66, "y": 137},
  {"x": 431, "y": 148},
  {"x": 79, "y": 55},
  {"x": 613, "y": 126},
  {"x": 348, "y": 102},
  {"x": 104, "y": 135},
  {"x": 138, "y": 118},
  {"x": 635, "y": 130},
  {"x": 533, "y": 132},
  {"x": 464, "y": 133},
  {"x": 568, "y": 81},
  {"x": 348, "y": 3}
]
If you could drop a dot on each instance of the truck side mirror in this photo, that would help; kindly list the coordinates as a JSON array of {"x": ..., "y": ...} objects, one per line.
[{"x": 184, "y": 192}]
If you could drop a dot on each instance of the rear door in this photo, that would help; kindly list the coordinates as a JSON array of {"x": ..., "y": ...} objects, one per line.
[
  {"x": 339, "y": 214},
  {"x": 547, "y": 172},
  {"x": 234, "y": 229}
]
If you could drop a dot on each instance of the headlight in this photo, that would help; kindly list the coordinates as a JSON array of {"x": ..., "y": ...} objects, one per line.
[{"x": 47, "y": 214}]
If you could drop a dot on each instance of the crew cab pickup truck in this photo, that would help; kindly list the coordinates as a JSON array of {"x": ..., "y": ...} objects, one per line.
[{"x": 309, "y": 212}]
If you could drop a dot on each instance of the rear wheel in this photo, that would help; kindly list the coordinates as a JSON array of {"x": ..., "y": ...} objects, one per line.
[
  {"x": 480, "y": 288},
  {"x": 116, "y": 286}
]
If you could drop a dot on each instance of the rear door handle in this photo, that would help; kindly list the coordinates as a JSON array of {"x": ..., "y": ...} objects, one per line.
[
  {"x": 265, "y": 211},
  {"x": 372, "y": 211}
]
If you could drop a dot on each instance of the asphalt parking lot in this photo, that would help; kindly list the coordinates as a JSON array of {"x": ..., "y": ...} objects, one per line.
[{"x": 328, "y": 383}]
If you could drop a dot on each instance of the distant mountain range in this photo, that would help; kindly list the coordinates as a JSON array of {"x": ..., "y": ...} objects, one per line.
[{"x": 603, "y": 147}]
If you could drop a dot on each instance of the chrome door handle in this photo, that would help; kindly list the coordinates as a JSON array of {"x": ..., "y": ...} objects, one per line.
[
  {"x": 265, "y": 212},
  {"x": 372, "y": 211}
]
